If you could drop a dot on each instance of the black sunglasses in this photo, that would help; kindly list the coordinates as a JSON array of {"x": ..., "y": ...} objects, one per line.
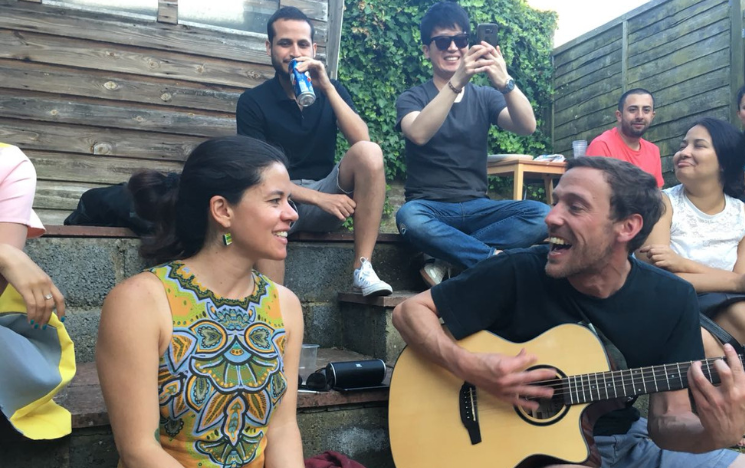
[{"x": 443, "y": 42}]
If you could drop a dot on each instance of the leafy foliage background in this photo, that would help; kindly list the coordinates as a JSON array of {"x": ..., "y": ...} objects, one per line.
[{"x": 381, "y": 57}]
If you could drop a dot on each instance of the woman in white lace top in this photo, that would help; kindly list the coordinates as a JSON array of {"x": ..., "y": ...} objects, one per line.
[{"x": 700, "y": 236}]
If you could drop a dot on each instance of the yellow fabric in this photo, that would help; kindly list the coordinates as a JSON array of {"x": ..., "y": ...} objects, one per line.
[{"x": 43, "y": 418}]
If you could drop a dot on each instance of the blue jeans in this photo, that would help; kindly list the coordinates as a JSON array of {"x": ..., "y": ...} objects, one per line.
[{"x": 468, "y": 232}]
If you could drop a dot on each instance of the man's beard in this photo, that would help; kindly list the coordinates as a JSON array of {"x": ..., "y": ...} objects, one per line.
[
  {"x": 586, "y": 261},
  {"x": 628, "y": 130},
  {"x": 280, "y": 69}
]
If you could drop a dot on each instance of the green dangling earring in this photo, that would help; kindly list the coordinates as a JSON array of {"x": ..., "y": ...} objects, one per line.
[{"x": 227, "y": 239}]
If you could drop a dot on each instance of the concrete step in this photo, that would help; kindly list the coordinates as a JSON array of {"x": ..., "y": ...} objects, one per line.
[
  {"x": 353, "y": 423},
  {"x": 367, "y": 327}
]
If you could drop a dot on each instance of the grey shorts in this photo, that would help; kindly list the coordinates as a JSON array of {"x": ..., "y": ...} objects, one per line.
[
  {"x": 636, "y": 450},
  {"x": 312, "y": 218}
]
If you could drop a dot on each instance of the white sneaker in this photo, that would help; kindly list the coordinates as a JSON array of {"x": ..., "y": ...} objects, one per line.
[
  {"x": 435, "y": 272},
  {"x": 367, "y": 282}
]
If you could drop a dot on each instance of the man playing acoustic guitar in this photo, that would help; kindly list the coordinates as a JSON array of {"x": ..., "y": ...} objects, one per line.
[{"x": 604, "y": 209}]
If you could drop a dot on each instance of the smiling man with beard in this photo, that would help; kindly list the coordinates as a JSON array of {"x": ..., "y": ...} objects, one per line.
[
  {"x": 326, "y": 194},
  {"x": 603, "y": 210},
  {"x": 624, "y": 141}
]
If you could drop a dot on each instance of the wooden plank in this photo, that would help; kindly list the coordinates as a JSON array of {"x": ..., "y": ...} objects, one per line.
[
  {"x": 600, "y": 52},
  {"x": 66, "y": 167},
  {"x": 604, "y": 74},
  {"x": 114, "y": 142},
  {"x": 314, "y": 9},
  {"x": 95, "y": 84},
  {"x": 737, "y": 61},
  {"x": 666, "y": 100},
  {"x": 56, "y": 195},
  {"x": 101, "y": 27},
  {"x": 608, "y": 86},
  {"x": 667, "y": 15},
  {"x": 679, "y": 125},
  {"x": 59, "y": 230},
  {"x": 664, "y": 37},
  {"x": 676, "y": 42},
  {"x": 706, "y": 47},
  {"x": 697, "y": 67},
  {"x": 40, "y": 48},
  {"x": 98, "y": 115},
  {"x": 589, "y": 45},
  {"x": 168, "y": 11},
  {"x": 625, "y": 54},
  {"x": 601, "y": 117},
  {"x": 612, "y": 60},
  {"x": 52, "y": 217},
  {"x": 336, "y": 18},
  {"x": 600, "y": 103}
]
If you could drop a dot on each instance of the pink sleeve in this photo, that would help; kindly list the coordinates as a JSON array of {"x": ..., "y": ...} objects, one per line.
[{"x": 17, "y": 188}]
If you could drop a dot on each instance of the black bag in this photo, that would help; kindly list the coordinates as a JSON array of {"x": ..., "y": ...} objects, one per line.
[{"x": 110, "y": 207}]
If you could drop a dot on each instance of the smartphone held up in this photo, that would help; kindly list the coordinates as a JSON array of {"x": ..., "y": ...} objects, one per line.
[{"x": 487, "y": 32}]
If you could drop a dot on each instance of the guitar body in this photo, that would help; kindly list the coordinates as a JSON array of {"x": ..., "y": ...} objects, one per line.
[{"x": 424, "y": 413}]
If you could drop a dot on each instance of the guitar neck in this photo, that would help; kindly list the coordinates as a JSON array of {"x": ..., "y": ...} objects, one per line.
[{"x": 588, "y": 388}]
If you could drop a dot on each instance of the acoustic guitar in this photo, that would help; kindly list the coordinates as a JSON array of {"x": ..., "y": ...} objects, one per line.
[{"x": 436, "y": 420}]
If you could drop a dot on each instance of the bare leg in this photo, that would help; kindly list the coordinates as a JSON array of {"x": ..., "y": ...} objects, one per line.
[
  {"x": 739, "y": 462},
  {"x": 732, "y": 319},
  {"x": 274, "y": 269},
  {"x": 362, "y": 170},
  {"x": 712, "y": 347}
]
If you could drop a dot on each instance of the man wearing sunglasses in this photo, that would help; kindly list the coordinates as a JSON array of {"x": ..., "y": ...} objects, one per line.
[{"x": 447, "y": 214}]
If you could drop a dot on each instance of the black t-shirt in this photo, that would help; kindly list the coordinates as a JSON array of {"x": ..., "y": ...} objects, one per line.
[
  {"x": 653, "y": 319},
  {"x": 451, "y": 166},
  {"x": 308, "y": 137}
]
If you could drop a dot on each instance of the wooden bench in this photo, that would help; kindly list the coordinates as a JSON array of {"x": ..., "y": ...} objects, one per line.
[{"x": 83, "y": 398}]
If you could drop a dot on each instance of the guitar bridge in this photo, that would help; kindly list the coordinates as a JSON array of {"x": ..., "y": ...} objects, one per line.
[{"x": 469, "y": 412}]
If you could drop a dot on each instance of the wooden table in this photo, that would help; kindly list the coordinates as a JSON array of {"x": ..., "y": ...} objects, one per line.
[{"x": 521, "y": 168}]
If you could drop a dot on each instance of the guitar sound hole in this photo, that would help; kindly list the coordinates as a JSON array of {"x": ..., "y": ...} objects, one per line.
[{"x": 550, "y": 410}]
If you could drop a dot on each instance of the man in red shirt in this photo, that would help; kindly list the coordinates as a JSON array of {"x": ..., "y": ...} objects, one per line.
[{"x": 624, "y": 141}]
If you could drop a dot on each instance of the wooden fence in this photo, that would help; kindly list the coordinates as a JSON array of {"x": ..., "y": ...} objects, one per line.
[
  {"x": 91, "y": 97},
  {"x": 688, "y": 53}
]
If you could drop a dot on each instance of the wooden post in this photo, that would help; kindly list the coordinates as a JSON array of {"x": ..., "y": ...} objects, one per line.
[
  {"x": 737, "y": 64},
  {"x": 168, "y": 11},
  {"x": 625, "y": 55},
  {"x": 333, "y": 44}
]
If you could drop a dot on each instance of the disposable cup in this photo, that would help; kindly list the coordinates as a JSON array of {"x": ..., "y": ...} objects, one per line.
[
  {"x": 308, "y": 360},
  {"x": 579, "y": 147}
]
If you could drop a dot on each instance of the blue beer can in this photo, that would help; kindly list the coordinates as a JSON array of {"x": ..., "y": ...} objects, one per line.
[{"x": 301, "y": 84}]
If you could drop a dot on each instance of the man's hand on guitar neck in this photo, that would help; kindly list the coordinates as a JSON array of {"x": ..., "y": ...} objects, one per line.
[
  {"x": 506, "y": 377},
  {"x": 721, "y": 409}
]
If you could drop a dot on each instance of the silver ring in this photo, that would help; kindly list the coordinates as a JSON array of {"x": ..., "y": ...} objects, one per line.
[{"x": 49, "y": 297}]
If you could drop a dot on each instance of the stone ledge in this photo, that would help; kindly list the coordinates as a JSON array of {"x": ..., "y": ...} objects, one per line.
[
  {"x": 84, "y": 400},
  {"x": 100, "y": 231}
]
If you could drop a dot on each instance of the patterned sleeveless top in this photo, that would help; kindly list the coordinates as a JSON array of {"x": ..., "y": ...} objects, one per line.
[
  {"x": 710, "y": 240},
  {"x": 223, "y": 372}
]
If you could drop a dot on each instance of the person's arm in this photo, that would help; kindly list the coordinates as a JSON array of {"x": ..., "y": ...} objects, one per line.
[
  {"x": 656, "y": 251},
  {"x": 135, "y": 324},
  {"x": 720, "y": 421},
  {"x": 32, "y": 283},
  {"x": 340, "y": 205},
  {"x": 249, "y": 119},
  {"x": 504, "y": 376},
  {"x": 420, "y": 127},
  {"x": 518, "y": 116},
  {"x": 350, "y": 123},
  {"x": 284, "y": 447}
]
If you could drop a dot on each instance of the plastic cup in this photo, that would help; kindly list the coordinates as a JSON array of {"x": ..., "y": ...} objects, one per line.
[
  {"x": 579, "y": 147},
  {"x": 308, "y": 360}
]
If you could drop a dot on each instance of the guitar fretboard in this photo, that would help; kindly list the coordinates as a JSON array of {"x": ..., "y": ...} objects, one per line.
[{"x": 588, "y": 388}]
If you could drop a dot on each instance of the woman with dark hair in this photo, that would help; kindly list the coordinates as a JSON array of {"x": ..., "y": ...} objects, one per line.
[
  {"x": 198, "y": 357},
  {"x": 700, "y": 235}
]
